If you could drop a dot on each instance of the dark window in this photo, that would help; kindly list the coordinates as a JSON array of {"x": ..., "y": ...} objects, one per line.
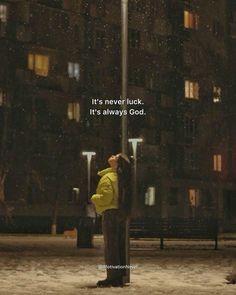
[
  {"x": 167, "y": 122},
  {"x": 137, "y": 77},
  {"x": 207, "y": 199},
  {"x": 18, "y": 117},
  {"x": 190, "y": 160},
  {"x": 100, "y": 40},
  {"x": 216, "y": 28},
  {"x": 116, "y": 36},
  {"x": 134, "y": 38},
  {"x": 137, "y": 5},
  {"x": 51, "y": 3},
  {"x": 101, "y": 8},
  {"x": 190, "y": 129},
  {"x": 173, "y": 197},
  {"x": 114, "y": 2}
]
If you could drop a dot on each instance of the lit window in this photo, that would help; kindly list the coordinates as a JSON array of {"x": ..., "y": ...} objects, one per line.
[
  {"x": 150, "y": 196},
  {"x": 30, "y": 61},
  {"x": 191, "y": 20},
  {"x": 191, "y": 90},
  {"x": 1, "y": 97},
  {"x": 217, "y": 163},
  {"x": 194, "y": 197},
  {"x": 216, "y": 94},
  {"x": 3, "y": 13},
  {"x": 73, "y": 111},
  {"x": 74, "y": 70},
  {"x": 39, "y": 64}
]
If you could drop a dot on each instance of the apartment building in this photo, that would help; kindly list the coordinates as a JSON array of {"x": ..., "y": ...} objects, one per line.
[{"x": 57, "y": 56}]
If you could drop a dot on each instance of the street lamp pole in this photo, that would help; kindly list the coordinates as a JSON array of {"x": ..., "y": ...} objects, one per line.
[
  {"x": 89, "y": 158},
  {"x": 124, "y": 67},
  {"x": 85, "y": 227},
  {"x": 134, "y": 142},
  {"x": 124, "y": 143}
]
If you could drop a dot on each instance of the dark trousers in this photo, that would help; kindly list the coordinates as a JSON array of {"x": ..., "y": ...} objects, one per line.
[{"x": 114, "y": 243}]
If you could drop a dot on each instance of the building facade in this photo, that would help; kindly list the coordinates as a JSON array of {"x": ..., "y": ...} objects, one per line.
[{"x": 57, "y": 56}]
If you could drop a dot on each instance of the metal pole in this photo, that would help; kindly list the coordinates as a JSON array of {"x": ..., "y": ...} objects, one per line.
[
  {"x": 134, "y": 145},
  {"x": 85, "y": 227},
  {"x": 124, "y": 139},
  {"x": 124, "y": 67},
  {"x": 89, "y": 174},
  {"x": 89, "y": 158}
]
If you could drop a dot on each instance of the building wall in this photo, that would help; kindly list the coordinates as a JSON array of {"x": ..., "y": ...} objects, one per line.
[{"x": 181, "y": 134}]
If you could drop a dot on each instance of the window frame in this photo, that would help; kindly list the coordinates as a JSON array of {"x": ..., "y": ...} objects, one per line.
[
  {"x": 191, "y": 90},
  {"x": 74, "y": 70},
  {"x": 194, "y": 197},
  {"x": 3, "y": 12},
  {"x": 73, "y": 111},
  {"x": 134, "y": 39},
  {"x": 217, "y": 94},
  {"x": 217, "y": 163},
  {"x": 39, "y": 63},
  {"x": 191, "y": 20}
]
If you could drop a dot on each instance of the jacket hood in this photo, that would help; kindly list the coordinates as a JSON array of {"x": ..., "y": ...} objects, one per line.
[{"x": 105, "y": 171}]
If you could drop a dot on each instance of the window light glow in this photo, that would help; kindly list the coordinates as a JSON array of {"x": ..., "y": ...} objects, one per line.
[
  {"x": 216, "y": 94},
  {"x": 194, "y": 197},
  {"x": 191, "y": 90},
  {"x": 191, "y": 20},
  {"x": 217, "y": 163},
  {"x": 150, "y": 196},
  {"x": 74, "y": 70},
  {"x": 3, "y": 13},
  {"x": 73, "y": 111},
  {"x": 39, "y": 64}
]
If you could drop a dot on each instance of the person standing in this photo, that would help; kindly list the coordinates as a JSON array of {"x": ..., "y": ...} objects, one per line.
[{"x": 113, "y": 201}]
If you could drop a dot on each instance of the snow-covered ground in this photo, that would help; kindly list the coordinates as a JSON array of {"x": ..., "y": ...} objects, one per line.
[{"x": 52, "y": 265}]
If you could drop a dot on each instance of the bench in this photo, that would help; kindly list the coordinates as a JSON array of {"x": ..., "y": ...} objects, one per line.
[{"x": 177, "y": 228}]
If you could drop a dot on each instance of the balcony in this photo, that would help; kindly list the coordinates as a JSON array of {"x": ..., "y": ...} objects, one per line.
[{"x": 57, "y": 83}]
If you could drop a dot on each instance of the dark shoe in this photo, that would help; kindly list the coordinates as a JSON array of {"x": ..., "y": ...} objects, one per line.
[
  {"x": 104, "y": 283},
  {"x": 117, "y": 283},
  {"x": 110, "y": 283}
]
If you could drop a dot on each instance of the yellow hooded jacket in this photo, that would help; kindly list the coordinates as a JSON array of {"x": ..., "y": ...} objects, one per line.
[{"x": 106, "y": 196}]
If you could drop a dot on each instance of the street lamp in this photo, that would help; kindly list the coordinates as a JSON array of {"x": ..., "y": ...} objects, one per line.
[
  {"x": 89, "y": 158},
  {"x": 85, "y": 228},
  {"x": 134, "y": 142}
]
